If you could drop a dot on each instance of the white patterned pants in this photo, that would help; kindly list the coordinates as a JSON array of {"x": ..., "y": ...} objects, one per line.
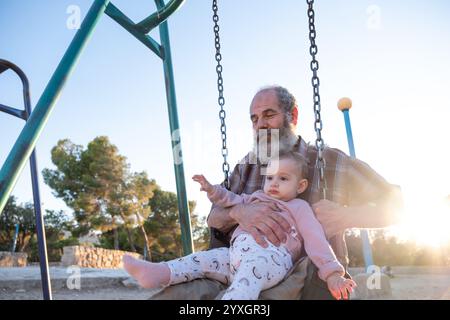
[{"x": 246, "y": 266}]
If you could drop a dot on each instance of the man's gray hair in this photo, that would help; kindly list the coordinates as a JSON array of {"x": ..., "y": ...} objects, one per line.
[{"x": 285, "y": 98}]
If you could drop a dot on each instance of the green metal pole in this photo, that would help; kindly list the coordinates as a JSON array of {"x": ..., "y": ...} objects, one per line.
[
  {"x": 129, "y": 25},
  {"x": 183, "y": 208},
  {"x": 164, "y": 11},
  {"x": 27, "y": 139}
]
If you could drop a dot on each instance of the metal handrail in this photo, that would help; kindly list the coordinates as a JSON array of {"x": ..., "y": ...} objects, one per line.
[
  {"x": 22, "y": 114},
  {"x": 40, "y": 228}
]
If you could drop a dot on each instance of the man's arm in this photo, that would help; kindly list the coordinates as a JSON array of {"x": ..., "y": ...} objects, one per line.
[
  {"x": 382, "y": 212},
  {"x": 378, "y": 202},
  {"x": 220, "y": 219},
  {"x": 371, "y": 202}
]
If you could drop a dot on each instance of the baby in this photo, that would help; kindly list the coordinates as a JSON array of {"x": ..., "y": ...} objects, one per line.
[{"x": 247, "y": 267}]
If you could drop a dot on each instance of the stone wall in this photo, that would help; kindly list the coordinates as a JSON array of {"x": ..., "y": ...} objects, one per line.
[
  {"x": 16, "y": 259},
  {"x": 90, "y": 257}
]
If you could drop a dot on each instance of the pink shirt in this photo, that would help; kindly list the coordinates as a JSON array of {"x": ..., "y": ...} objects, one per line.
[{"x": 305, "y": 227}]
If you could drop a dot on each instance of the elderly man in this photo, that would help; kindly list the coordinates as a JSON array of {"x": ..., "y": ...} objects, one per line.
[{"x": 357, "y": 197}]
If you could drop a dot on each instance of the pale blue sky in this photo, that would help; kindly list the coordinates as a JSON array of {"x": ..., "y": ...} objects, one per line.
[{"x": 390, "y": 57}]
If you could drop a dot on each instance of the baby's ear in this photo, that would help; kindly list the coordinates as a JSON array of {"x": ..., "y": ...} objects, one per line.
[{"x": 302, "y": 185}]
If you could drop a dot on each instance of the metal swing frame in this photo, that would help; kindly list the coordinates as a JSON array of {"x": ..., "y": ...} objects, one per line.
[{"x": 36, "y": 120}]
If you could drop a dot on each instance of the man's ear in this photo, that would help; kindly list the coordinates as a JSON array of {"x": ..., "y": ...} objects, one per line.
[
  {"x": 302, "y": 185},
  {"x": 294, "y": 114}
]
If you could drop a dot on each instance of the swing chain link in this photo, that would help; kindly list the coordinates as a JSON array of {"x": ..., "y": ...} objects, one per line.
[
  {"x": 221, "y": 99},
  {"x": 320, "y": 144}
]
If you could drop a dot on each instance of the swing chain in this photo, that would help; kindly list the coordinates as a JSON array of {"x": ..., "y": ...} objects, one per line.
[
  {"x": 221, "y": 99},
  {"x": 320, "y": 144}
]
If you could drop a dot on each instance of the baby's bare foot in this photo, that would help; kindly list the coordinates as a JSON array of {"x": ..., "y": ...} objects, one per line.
[{"x": 149, "y": 275}]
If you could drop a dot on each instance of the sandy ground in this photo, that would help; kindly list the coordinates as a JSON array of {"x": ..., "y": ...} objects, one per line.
[
  {"x": 418, "y": 283},
  {"x": 421, "y": 287},
  {"x": 409, "y": 283},
  {"x": 88, "y": 294}
]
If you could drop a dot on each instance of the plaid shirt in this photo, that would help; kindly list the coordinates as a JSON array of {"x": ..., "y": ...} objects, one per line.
[{"x": 349, "y": 182}]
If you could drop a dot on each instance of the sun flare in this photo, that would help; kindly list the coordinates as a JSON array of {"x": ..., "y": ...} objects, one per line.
[{"x": 426, "y": 220}]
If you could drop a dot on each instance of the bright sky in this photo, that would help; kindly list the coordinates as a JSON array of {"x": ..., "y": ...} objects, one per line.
[{"x": 389, "y": 57}]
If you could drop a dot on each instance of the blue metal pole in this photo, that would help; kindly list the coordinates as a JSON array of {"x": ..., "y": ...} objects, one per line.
[
  {"x": 40, "y": 227},
  {"x": 348, "y": 128},
  {"x": 345, "y": 106},
  {"x": 27, "y": 139},
  {"x": 16, "y": 233}
]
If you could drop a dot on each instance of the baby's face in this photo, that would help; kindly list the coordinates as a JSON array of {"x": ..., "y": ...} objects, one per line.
[{"x": 283, "y": 181}]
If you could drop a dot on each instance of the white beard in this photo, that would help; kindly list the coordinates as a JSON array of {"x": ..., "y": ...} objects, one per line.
[{"x": 269, "y": 143}]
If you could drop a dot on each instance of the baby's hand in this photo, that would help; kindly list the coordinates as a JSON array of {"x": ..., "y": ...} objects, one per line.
[
  {"x": 206, "y": 186},
  {"x": 339, "y": 286}
]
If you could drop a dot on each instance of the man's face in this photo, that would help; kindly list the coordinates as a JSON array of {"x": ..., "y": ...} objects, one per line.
[{"x": 265, "y": 112}]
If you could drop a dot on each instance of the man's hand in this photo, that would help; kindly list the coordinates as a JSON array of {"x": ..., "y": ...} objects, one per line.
[
  {"x": 262, "y": 219},
  {"x": 205, "y": 185},
  {"x": 332, "y": 216},
  {"x": 339, "y": 286}
]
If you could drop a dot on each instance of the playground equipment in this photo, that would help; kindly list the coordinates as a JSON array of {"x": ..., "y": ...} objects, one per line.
[
  {"x": 345, "y": 105},
  {"x": 16, "y": 233},
  {"x": 36, "y": 121},
  {"x": 40, "y": 230}
]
